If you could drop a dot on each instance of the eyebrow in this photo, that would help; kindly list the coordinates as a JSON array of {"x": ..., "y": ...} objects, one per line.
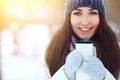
[{"x": 89, "y": 9}]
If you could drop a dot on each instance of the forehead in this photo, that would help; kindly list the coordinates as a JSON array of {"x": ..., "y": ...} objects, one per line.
[{"x": 85, "y": 9}]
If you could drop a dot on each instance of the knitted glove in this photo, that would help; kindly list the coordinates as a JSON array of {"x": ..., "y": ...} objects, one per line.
[
  {"x": 91, "y": 68},
  {"x": 73, "y": 62}
]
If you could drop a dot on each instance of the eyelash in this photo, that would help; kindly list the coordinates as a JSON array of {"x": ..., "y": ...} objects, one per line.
[
  {"x": 79, "y": 13},
  {"x": 93, "y": 13}
]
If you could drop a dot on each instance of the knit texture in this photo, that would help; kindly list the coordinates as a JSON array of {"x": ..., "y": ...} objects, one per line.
[
  {"x": 93, "y": 68},
  {"x": 73, "y": 62},
  {"x": 96, "y": 4}
]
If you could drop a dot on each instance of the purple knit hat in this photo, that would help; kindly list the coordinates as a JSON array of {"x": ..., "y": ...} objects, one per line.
[{"x": 73, "y": 4}]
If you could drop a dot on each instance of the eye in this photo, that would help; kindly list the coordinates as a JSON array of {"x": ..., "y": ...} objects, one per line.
[
  {"x": 77, "y": 13},
  {"x": 93, "y": 13}
]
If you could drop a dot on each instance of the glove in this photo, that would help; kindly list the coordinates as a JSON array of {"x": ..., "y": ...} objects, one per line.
[
  {"x": 91, "y": 68},
  {"x": 73, "y": 62}
]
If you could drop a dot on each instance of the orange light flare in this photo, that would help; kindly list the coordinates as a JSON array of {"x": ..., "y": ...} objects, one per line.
[
  {"x": 31, "y": 10},
  {"x": 22, "y": 8}
]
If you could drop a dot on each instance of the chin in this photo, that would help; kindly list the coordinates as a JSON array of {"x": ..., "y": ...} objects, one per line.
[{"x": 85, "y": 37}]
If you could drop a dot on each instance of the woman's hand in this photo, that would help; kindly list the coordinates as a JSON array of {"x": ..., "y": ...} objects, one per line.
[
  {"x": 72, "y": 64},
  {"x": 91, "y": 69}
]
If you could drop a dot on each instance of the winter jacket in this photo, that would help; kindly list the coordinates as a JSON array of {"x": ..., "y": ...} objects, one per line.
[{"x": 60, "y": 74}]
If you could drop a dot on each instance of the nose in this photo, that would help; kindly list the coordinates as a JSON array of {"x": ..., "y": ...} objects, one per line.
[{"x": 85, "y": 20}]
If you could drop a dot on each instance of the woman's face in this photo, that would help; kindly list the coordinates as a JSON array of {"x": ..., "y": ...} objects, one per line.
[{"x": 84, "y": 21}]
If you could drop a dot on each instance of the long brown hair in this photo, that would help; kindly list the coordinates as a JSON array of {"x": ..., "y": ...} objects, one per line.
[{"x": 104, "y": 40}]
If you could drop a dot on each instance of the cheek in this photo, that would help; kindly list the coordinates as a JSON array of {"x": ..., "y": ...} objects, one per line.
[
  {"x": 74, "y": 22},
  {"x": 95, "y": 21},
  {"x": 74, "y": 25}
]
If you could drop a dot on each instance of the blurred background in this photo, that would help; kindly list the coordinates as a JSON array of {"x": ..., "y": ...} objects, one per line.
[{"x": 26, "y": 27}]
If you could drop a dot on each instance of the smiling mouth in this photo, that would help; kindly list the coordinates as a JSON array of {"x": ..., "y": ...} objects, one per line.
[{"x": 85, "y": 29}]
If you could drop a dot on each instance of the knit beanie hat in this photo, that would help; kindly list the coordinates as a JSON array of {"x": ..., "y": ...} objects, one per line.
[{"x": 96, "y": 4}]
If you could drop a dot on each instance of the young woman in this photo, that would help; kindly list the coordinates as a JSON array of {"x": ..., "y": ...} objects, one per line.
[{"x": 84, "y": 19}]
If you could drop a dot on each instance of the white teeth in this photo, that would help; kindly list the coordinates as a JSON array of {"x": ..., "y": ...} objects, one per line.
[{"x": 85, "y": 29}]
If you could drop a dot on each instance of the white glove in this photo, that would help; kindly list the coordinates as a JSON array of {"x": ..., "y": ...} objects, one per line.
[
  {"x": 73, "y": 62},
  {"x": 91, "y": 69}
]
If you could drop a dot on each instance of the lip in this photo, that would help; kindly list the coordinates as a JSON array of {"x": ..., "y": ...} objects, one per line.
[{"x": 85, "y": 30}]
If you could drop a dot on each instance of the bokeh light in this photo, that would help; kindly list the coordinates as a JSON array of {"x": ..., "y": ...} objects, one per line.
[
  {"x": 14, "y": 26},
  {"x": 31, "y": 11},
  {"x": 25, "y": 30}
]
